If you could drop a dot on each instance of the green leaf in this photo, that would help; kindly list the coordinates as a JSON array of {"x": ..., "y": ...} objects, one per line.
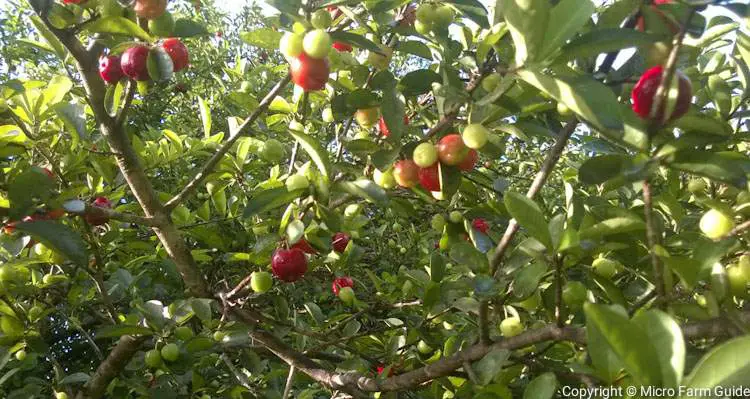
[
  {"x": 159, "y": 64},
  {"x": 626, "y": 339},
  {"x": 527, "y": 280},
  {"x": 185, "y": 27},
  {"x": 392, "y": 109},
  {"x": 32, "y": 183},
  {"x": 450, "y": 180},
  {"x": 599, "y": 169},
  {"x": 416, "y": 48},
  {"x": 541, "y": 387},
  {"x": 315, "y": 312},
  {"x": 605, "y": 361},
  {"x": 565, "y": 20},
  {"x": 73, "y": 116},
  {"x": 600, "y": 41},
  {"x": 205, "y": 112},
  {"x": 527, "y": 21},
  {"x": 587, "y": 97},
  {"x": 269, "y": 199},
  {"x": 666, "y": 336},
  {"x": 725, "y": 365},
  {"x": 465, "y": 254},
  {"x": 316, "y": 152},
  {"x": 418, "y": 82},
  {"x": 709, "y": 164},
  {"x": 118, "y": 26},
  {"x": 355, "y": 40},
  {"x": 364, "y": 188},
  {"x": 490, "y": 365},
  {"x": 75, "y": 378},
  {"x": 474, "y": 10},
  {"x": 611, "y": 226},
  {"x": 266, "y": 38},
  {"x": 528, "y": 214},
  {"x": 59, "y": 237},
  {"x": 122, "y": 329},
  {"x": 49, "y": 37}
]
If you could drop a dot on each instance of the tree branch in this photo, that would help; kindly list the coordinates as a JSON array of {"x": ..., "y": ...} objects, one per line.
[
  {"x": 214, "y": 160},
  {"x": 115, "y": 362}
]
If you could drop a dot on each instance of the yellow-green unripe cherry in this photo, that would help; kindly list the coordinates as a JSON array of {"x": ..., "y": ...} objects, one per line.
[
  {"x": 697, "y": 186},
  {"x": 153, "y": 358},
  {"x": 183, "y": 333},
  {"x": 321, "y": 19},
  {"x": 425, "y": 155},
  {"x": 475, "y": 136},
  {"x": 20, "y": 355},
  {"x": 261, "y": 282},
  {"x": 604, "y": 267},
  {"x": 438, "y": 222},
  {"x": 456, "y": 217},
  {"x": 716, "y": 224},
  {"x": 219, "y": 336},
  {"x": 170, "y": 352},
  {"x": 291, "y": 45},
  {"x": 346, "y": 294},
  {"x": 510, "y": 327},
  {"x": 385, "y": 179},
  {"x": 317, "y": 43}
]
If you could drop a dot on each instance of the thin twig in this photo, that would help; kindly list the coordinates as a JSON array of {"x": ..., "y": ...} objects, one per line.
[{"x": 289, "y": 382}]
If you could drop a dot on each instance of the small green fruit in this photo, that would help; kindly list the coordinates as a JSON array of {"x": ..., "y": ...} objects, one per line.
[
  {"x": 425, "y": 155},
  {"x": 604, "y": 267},
  {"x": 327, "y": 115},
  {"x": 697, "y": 186},
  {"x": 261, "y": 282},
  {"x": 438, "y": 222},
  {"x": 272, "y": 151},
  {"x": 475, "y": 136},
  {"x": 61, "y": 395},
  {"x": 715, "y": 224},
  {"x": 738, "y": 279},
  {"x": 456, "y": 217},
  {"x": 291, "y": 45},
  {"x": 170, "y": 352},
  {"x": 385, "y": 179},
  {"x": 510, "y": 327},
  {"x": 183, "y": 333},
  {"x": 321, "y": 19},
  {"x": 317, "y": 43},
  {"x": 153, "y": 358},
  {"x": 21, "y": 355},
  {"x": 219, "y": 336},
  {"x": 346, "y": 294}
]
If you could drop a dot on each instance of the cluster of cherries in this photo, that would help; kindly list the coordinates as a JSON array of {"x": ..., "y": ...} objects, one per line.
[
  {"x": 290, "y": 264},
  {"x": 134, "y": 61}
]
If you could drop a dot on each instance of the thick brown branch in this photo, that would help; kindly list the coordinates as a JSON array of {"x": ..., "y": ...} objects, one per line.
[
  {"x": 115, "y": 362},
  {"x": 214, "y": 160}
]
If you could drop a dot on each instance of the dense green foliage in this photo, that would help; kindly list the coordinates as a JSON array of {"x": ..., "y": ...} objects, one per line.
[{"x": 586, "y": 247}]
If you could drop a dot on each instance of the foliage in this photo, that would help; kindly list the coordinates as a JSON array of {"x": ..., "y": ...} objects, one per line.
[{"x": 204, "y": 169}]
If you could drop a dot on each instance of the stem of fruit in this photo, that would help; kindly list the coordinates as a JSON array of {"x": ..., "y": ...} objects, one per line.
[
  {"x": 653, "y": 240},
  {"x": 541, "y": 177},
  {"x": 214, "y": 160}
]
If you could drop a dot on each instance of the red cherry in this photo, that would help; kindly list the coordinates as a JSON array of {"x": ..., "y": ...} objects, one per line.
[
  {"x": 384, "y": 129},
  {"x": 55, "y": 214},
  {"x": 95, "y": 218},
  {"x": 305, "y": 247},
  {"x": 309, "y": 73},
  {"x": 219, "y": 34},
  {"x": 110, "y": 69},
  {"x": 381, "y": 368},
  {"x": 48, "y": 172},
  {"x": 645, "y": 91},
  {"x": 73, "y": 1},
  {"x": 340, "y": 241},
  {"x": 406, "y": 173},
  {"x": 470, "y": 161},
  {"x": 452, "y": 150},
  {"x": 10, "y": 228},
  {"x": 177, "y": 52},
  {"x": 481, "y": 225},
  {"x": 288, "y": 265},
  {"x": 134, "y": 63},
  {"x": 341, "y": 46},
  {"x": 429, "y": 178},
  {"x": 341, "y": 282}
]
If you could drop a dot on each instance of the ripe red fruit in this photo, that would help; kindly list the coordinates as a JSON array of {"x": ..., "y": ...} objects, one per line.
[
  {"x": 73, "y": 1},
  {"x": 134, "y": 63},
  {"x": 10, "y": 228},
  {"x": 177, "y": 52},
  {"x": 452, "y": 150},
  {"x": 341, "y": 46},
  {"x": 110, "y": 69},
  {"x": 305, "y": 247},
  {"x": 96, "y": 219},
  {"x": 645, "y": 91},
  {"x": 384, "y": 129},
  {"x": 309, "y": 73},
  {"x": 481, "y": 225},
  {"x": 381, "y": 368},
  {"x": 429, "y": 178},
  {"x": 341, "y": 282},
  {"x": 289, "y": 265},
  {"x": 406, "y": 173},
  {"x": 150, "y": 9},
  {"x": 339, "y": 241},
  {"x": 470, "y": 161}
]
